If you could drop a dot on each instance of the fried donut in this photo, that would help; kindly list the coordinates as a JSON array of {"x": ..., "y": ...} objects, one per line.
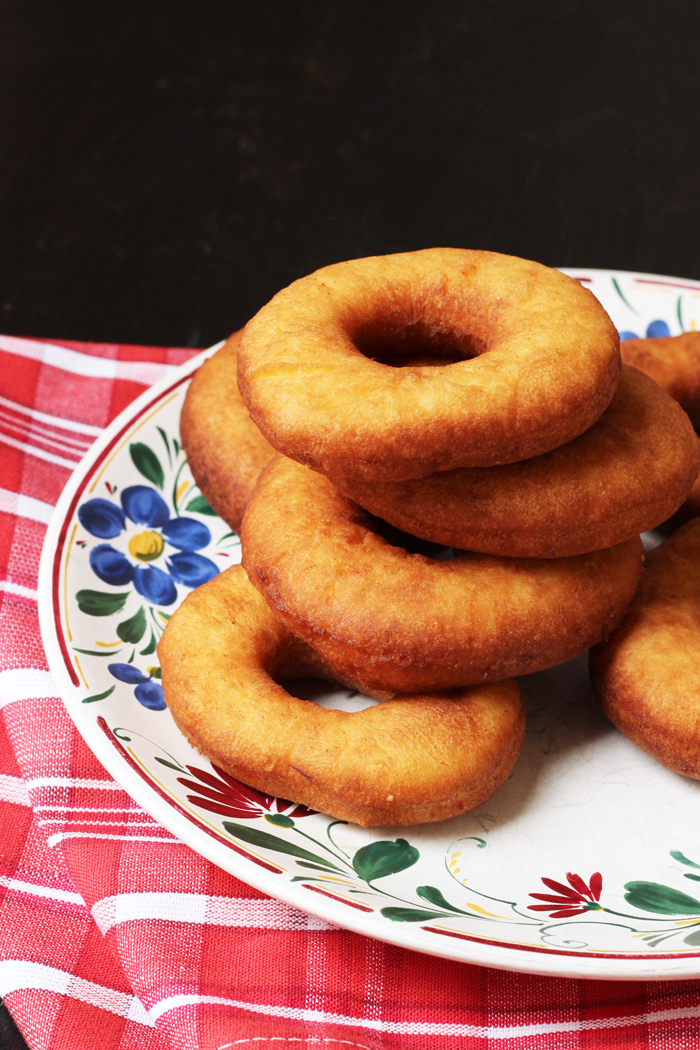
[
  {"x": 398, "y": 621},
  {"x": 225, "y": 450},
  {"x": 647, "y": 674},
  {"x": 690, "y": 507},
  {"x": 627, "y": 474},
  {"x": 535, "y": 362},
  {"x": 408, "y": 761},
  {"x": 674, "y": 363}
]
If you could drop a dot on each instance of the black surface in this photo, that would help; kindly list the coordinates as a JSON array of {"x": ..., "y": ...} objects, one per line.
[
  {"x": 168, "y": 166},
  {"x": 10, "y": 1037}
]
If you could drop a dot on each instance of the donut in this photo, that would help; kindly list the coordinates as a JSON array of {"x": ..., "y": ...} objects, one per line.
[
  {"x": 674, "y": 363},
  {"x": 647, "y": 674},
  {"x": 690, "y": 508},
  {"x": 629, "y": 472},
  {"x": 225, "y": 450},
  {"x": 531, "y": 360},
  {"x": 398, "y": 621},
  {"x": 410, "y": 761}
]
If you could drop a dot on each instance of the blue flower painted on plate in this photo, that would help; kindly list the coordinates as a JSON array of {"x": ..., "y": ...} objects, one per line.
[
  {"x": 142, "y": 505},
  {"x": 655, "y": 330},
  {"x": 148, "y": 692}
]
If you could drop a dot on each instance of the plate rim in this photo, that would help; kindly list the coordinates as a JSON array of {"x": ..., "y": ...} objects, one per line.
[{"x": 464, "y": 949}]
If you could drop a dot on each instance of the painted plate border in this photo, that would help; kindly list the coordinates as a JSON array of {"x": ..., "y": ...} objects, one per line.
[{"x": 455, "y": 946}]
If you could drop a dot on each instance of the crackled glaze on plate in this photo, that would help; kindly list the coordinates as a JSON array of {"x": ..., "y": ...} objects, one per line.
[{"x": 586, "y": 863}]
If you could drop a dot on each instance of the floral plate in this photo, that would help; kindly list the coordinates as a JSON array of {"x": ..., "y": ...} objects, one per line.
[{"x": 585, "y": 864}]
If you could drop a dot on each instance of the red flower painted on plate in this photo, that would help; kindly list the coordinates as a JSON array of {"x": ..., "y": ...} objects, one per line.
[
  {"x": 226, "y": 795},
  {"x": 574, "y": 899}
]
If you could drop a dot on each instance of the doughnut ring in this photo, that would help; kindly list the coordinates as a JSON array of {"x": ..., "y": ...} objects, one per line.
[
  {"x": 532, "y": 361},
  {"x": 408, "y": 761},
  {"x": 690, "y": 508},
  {"x": 647, "y": 674},
  {"x": 392, "y": 620},
  {"x": 225, "y": 450},
  {"x": 674, "y": 363},
  {"x": 629, "y": 472}
]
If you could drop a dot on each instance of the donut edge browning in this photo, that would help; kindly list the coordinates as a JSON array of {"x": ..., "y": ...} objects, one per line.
[
  {"x": 628, "y": 473},
  {"x": 674, "y": 363},
  {"x": 396, "y": 621},
  {"x": 224, "y": 448},
  {"x": 545, "y": 379},
  {"x": 418, "y": 759},
  {"x": 646, "y": 676}
]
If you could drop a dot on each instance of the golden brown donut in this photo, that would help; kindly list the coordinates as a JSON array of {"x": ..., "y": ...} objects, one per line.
[
  {"x": 398, "y": 621},
  {"x": 535, "y": 361},
  {"x": 674, "y": 363},
  {"x": 647, "y": 674},
  {"x": 225, "y": 450},
  {"x": 408, "y": 761},
  {"x": 628, "y": 473},
  {"x": 690, "y": 507}
]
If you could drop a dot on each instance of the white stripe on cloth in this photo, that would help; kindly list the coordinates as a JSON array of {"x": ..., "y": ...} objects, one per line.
[
  {"x": 48, "y": 457},
  {"x": 25, "y": 683},
  {"x": 36, "y": 432},
  {"x": 202, "y": 909},
  {"x": 54, "y": 421},
  {"x": 34, "y": 890},
  {"x": 446, "y": 1028},
  {"x": 166, "y": 837},
  {"x": 14, "y": 790},
  {"x": 88, "y": 809},
  {"x": 19, "y": 590},
  {"x": 25, "y": 506},
  {"x": 126, "y": 825},
  {"x": 72, "y": 782},
  {"x": 145, "y": 372},
  {"x": 307, "y": 1039},
  {"x": 19, "y": 974}
]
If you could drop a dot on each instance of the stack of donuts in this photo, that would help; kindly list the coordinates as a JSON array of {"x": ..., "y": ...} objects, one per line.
[{"x": 439, "y": 470}]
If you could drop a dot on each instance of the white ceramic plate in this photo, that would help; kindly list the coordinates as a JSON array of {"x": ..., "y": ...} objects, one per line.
[{"x": 582, "y": 800}]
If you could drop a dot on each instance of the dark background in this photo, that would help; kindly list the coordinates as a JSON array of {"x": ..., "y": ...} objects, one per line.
[{"x": 166, "y": 166}]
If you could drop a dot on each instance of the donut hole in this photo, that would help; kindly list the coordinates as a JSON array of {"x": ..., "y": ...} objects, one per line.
[
  {"x": 415, "y": 344},
  {"x": 411, "y": 544},
  {"x": 328, "y": 694}
]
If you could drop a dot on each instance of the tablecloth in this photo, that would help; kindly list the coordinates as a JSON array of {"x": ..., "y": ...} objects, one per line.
[{"x": 115, "y": 935}]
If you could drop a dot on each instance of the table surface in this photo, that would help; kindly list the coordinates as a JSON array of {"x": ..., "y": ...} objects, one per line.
[{"x": 167, "y": 167}]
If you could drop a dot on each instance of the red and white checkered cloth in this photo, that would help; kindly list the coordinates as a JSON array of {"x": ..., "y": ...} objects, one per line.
[{"x": 113, "y": 934}]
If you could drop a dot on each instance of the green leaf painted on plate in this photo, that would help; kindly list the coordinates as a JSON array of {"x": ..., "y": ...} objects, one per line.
[
  {"x": 263, "y": 839},
  {"x": 170, "y": 765},
  {"x": 432, "y": 895},
  {"x": 688, "y": 875},
  {"x": 279, "y": 820},
  {"x": 133, "y": 629},
  {"x": 411, "y": 914},
  {"x": 99, "y": 696},
  {"x": 380, "y": 859},
  {"x": 93, "y": 652},
  {"x": 147, "y": 463},
  {"x": 664, "y": 900},
  {"x": 166, "y": 443},
  {"x": 677, "y": 855},
  {"x": 307, "y": 864},
  {"x": 692, "y": 938},
  {"x": 201, "y": 505},
  {"x": 99, "y": 603},
  {"x": 151, "y": 647}
]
